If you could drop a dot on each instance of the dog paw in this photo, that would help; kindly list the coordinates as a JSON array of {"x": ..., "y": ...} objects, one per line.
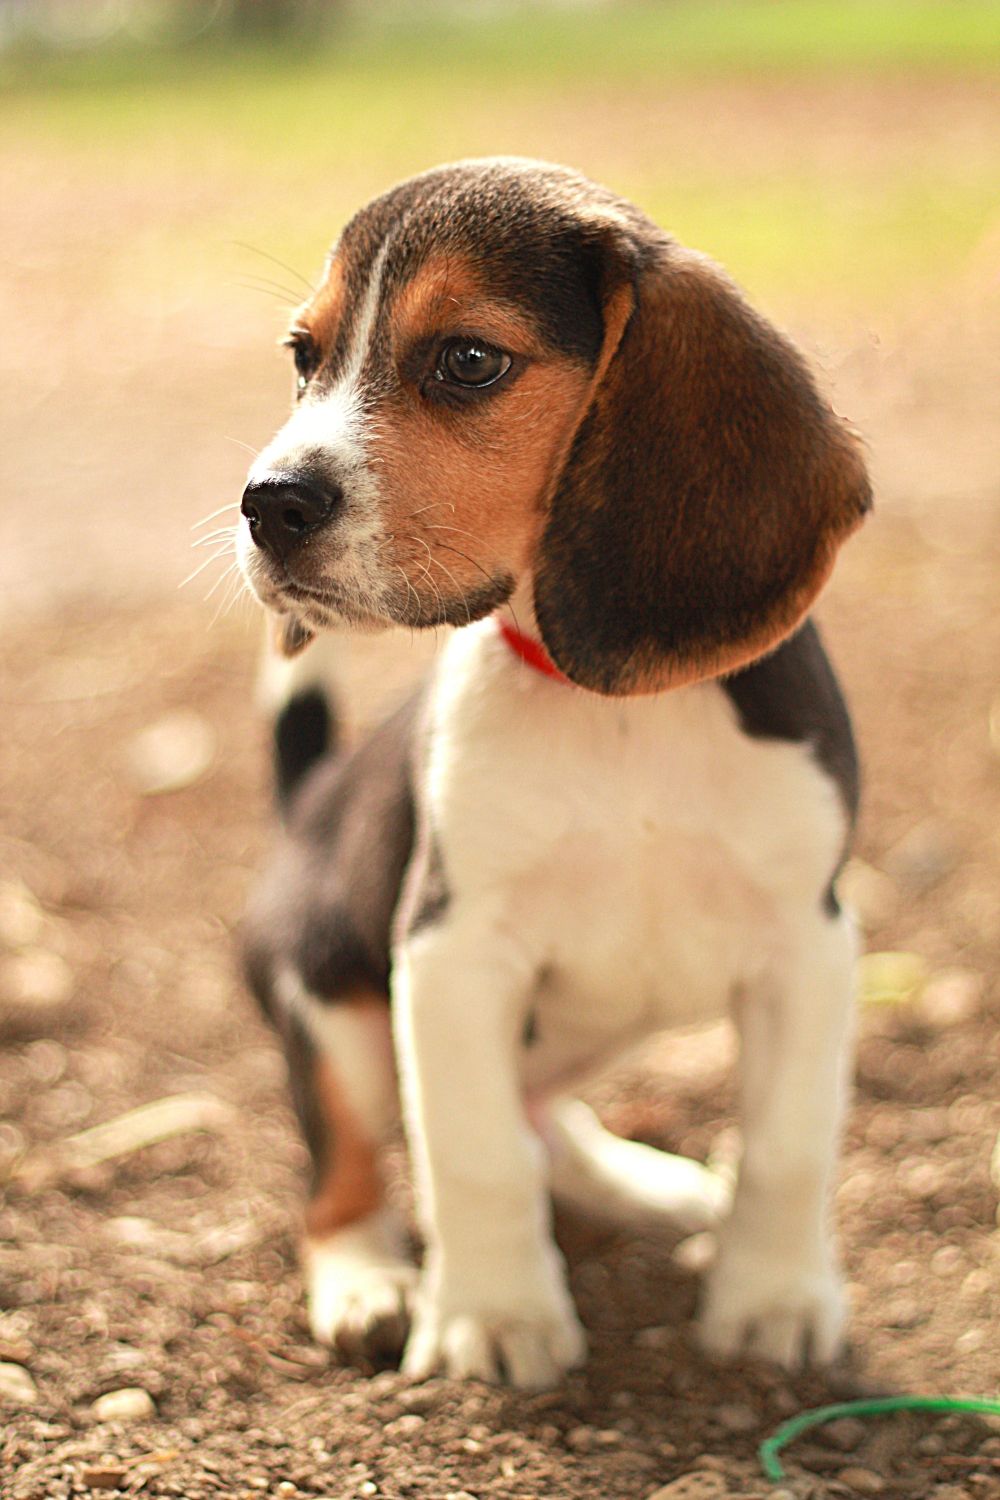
[
  {"x": 359, "y": 1300},
  {"x": 531, "y": 1354},
  {"x": 795, "y": 1318}
]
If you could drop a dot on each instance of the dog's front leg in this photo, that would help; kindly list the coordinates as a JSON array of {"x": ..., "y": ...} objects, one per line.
[
  {"x": 492, "y": 1302},
  {"x": 775, "y": 1289}
]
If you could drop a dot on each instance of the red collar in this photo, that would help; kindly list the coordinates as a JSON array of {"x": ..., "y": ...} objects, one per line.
[{"x": 531, "y": 651}]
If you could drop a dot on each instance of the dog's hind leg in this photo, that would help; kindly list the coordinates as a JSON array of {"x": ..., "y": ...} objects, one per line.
[
  {"x": 593, "y": 1170},
  {"x": 358, "y": 1274}
]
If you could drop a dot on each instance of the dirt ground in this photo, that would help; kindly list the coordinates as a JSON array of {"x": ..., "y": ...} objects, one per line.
[{"x": 172, "y": 1268}]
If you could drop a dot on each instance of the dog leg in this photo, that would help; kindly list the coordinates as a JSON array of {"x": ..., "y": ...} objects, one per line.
[
  {"x": 775, "y": 1288},
  {"x": 492, "y": 1302},
  {"x": 358, "y": 1276},
  {"x": 599, "y": 1173}
]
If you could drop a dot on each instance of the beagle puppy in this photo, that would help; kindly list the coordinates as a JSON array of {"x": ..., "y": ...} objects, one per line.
[{"x": 618, "y": 805}]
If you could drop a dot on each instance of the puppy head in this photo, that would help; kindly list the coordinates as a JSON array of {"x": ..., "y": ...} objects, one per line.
[{"x": 508, "y": 372}]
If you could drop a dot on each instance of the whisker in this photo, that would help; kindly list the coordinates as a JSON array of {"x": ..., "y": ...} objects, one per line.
[
  {"x": 411, "y": 589},
  {"x": 215, "y": 536},
  {"x": 228, "y": 599},
  {"x": 432, "y": 506},
  {"x": 255, "y": 277},
  {"x": 280, "y": 294},
  {"x": 266, "y": 255},
  {"x": 221, "y": 511},
  {"x": 458, "y": 587},
  {"x": 445, "y": 526},
  {"x": 227, "y": 573},
  {"x": 201, "y": 568},
  {"x": 459, "y": 553},
  {"x": 254, "y": 452}
]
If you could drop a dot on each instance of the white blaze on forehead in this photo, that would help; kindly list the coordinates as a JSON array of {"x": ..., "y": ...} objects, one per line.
[{"x": 332, "y": 427}]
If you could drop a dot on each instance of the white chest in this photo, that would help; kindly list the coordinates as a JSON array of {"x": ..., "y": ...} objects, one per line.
[{"x": 647, "y": 851}]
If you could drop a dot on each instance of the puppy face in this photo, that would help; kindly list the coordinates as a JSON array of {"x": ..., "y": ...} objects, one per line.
[
  {"x": 443, "y": 366},
  {"x": 508, "y": 371}
]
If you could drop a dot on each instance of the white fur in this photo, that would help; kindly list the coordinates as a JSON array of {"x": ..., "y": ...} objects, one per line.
[
  {"x": 357, "y": 1278},
  {"x": 615, "y": 867},
  {"x": 331, "y": 432}
]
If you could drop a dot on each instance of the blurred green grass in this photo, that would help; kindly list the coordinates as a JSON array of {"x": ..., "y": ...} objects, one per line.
[{"x": 381, "y": 100}]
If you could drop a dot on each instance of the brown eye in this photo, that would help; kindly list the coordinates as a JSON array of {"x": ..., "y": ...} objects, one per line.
[
  {"x": 470, "y": 362},
  {"x": 305, "y": 357}
]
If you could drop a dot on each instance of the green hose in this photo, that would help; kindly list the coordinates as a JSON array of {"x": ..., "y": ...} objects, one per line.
[{"x": 820, "y": 1415}]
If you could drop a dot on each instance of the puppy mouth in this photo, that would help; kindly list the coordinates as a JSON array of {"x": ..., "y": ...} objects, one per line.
[{"x": 400, "y": 602}]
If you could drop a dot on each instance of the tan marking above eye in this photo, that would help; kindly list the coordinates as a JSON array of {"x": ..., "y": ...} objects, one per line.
[
  {"x": 447, "y": 298},
  {"x": 320, "y": 317}
]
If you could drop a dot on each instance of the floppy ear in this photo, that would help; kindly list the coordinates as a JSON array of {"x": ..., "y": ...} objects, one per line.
[{"x": 705, "y": 493}]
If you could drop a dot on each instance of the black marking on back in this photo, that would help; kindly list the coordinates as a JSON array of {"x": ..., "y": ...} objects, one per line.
[
  {"x": 794, "y": 695},
  {"x": 303, "y": 733},
  {"x": 325, "y": 907}
]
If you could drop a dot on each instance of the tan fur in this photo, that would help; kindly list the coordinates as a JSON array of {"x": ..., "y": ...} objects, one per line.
[
  {"x": 496, "y": 462},
  {"x": 322, "y": 314},
  {"x": 350, "y": 1188}
]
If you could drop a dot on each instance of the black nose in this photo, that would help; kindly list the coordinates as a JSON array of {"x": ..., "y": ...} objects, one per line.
[{"x": 282, "y": 512}]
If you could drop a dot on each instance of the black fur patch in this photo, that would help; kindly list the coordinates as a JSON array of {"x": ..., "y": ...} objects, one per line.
[
  {"x": 303, "y": 733},
  {"x": 325, "y": 907},
  {"x": 794, "y": 695}
]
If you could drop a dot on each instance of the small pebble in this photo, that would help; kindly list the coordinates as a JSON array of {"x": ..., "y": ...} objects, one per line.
[
  {"x": 130, "y": 1404},
  {"x": 17, "y": 1386},
  {"x": 172, "y": 753},
  {"x": 581, "y": 1439},
  {"x": 459, "y": 1495},
  {"x": 700, "y": 1485},
  {"x": 864, "y": 1481},
  {"x": 422, "y": 1398},
  {"x": 931, "y": 1445},
  {"x": 35, "y": 978},
  {"x": 406, "y": 1425},
  {"x": 20, "y": 915},
  {"x": 104, "y": 1477},
  {"x": 737, "y": 1417},
  {"x": 950, "y": 997},
  {"x": 891, "y": 978},
  {"x": 846, "y": 1433}
]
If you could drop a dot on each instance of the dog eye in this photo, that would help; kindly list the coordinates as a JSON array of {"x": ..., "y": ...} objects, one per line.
[
  {"x": 305, "y": 357},
  {"x": 470, "y": 362}
]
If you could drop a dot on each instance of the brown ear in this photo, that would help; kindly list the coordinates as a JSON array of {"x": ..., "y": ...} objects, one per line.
[{"x": 705, "y": 494}]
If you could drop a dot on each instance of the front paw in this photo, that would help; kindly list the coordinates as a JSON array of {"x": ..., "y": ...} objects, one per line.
[
  {"x": 359, "y": 1290},
  {"x": 793, "y": 1315},
  {"x": 528, "y": 1340}
]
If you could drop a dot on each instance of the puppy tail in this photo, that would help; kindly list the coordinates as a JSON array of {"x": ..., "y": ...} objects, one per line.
[{"x": 298, "y": 696}]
